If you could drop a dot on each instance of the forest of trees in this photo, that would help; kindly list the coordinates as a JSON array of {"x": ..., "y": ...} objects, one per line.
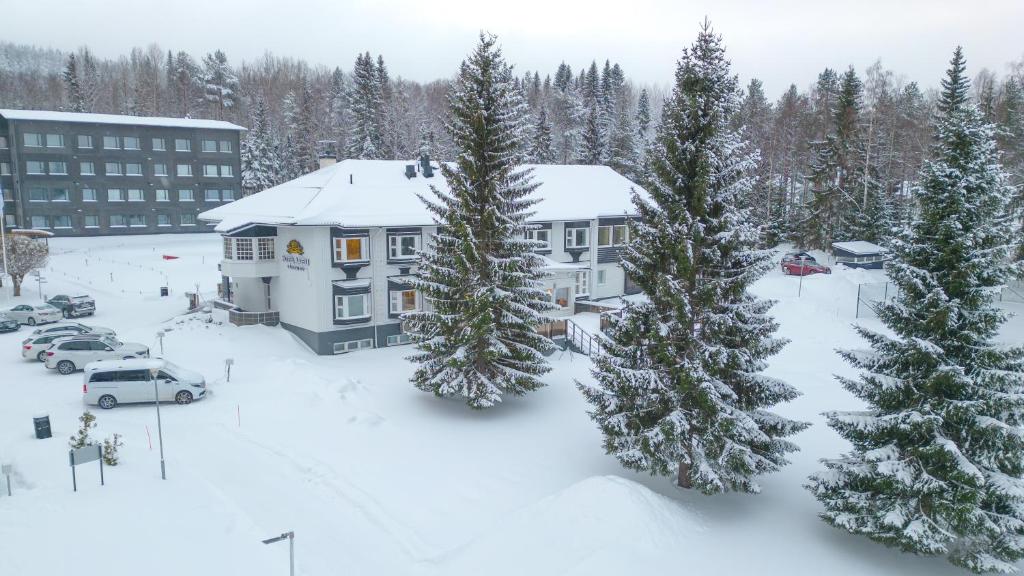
[{"x": 836, "y": 158}]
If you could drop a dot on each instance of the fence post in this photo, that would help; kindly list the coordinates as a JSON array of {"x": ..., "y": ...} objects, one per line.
[{"x": 857, "y": 313}]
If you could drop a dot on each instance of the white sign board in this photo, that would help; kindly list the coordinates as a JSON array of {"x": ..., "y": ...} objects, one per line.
[{"x": 84, "y": 454}]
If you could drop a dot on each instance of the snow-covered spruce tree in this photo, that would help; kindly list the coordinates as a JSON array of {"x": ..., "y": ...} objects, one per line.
[
  {"x": 938, "y": 456},
  {"x": 76, "y": 100},
  {"x": 220, "y": 85},
  {"x": 24, "y": 255},
  {"x": 541, "y": 147},
  {"x": 679, "y": 390},
  {"x": 480, "y": 277},
  {"x": 259, "y": 157}
]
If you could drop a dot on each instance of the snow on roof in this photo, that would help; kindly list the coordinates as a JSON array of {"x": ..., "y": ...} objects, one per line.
[
  {"x": 354, "y": 193},
  {"x": 552, "y": 265},
  {"x": 55, "y": 116},
  {"x": 360, "y": 283},
  {"x": 859, "y": 247}
]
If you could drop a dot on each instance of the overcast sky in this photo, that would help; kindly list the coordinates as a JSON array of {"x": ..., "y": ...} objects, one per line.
[{"x": 780, "y": 42}]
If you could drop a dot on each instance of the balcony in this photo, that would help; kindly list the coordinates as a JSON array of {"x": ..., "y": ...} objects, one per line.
[
  {"x": 249, "y": 268},
  {"x": 249, "y": 257}
]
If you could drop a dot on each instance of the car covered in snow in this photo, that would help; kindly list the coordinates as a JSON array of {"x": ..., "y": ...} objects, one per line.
[
  {"x": 802, "y": 264},
  {"x": 75, "y": 352},
  {"x": 108, "y": 384},
  {"x": 33, "y": 314},
  {"x": 8, "y": 324},
  {"x": 73, "y": 306},
  {"x": 73, "y": 328}
]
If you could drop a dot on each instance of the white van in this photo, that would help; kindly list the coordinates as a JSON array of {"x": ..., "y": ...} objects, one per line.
[{"x": 109, "y": 383}]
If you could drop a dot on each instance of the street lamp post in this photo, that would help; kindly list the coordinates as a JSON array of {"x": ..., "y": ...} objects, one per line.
[
  {"x": 290, "y": 536},
  {"x": 159, "y": 427}
]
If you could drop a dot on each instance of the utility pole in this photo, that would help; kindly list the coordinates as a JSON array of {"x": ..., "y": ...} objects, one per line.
[
  {"x": 159, "y": 427},
  {"x": 290, "y": 536}
]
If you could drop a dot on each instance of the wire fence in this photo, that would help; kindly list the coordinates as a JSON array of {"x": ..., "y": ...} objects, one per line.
[
  {"x": 1012, "y": 292},
  {"x": 871, "y": 295}
]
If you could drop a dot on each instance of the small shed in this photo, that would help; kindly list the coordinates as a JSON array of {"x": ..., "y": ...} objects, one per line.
[{"x": 859, "y": 254}]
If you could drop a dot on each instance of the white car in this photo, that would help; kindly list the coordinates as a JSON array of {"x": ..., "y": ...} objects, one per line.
[
  {"x": 73, "y": 328},
  {"x": 108, "y": 384},
  {"x": 74, "y": 353},
  {"x": 36, "y": 346},
  {"x": 33, "y": 314}
]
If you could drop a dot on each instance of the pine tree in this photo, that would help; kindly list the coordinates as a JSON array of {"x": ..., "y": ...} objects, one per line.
[
  {"x": 364, "y": 106},
  {"x": 338, "y": 109},
  {"x": 593, "y": 140},
  {"x": 936, "y": 466},
  {"x": 220, "y": 85},
  {"x": 643, "y": 114},
  {"x": 259, "y": 159},
  {"x": 481, "y": 278},
  {"x": 679, "y": 389},
  {"x": 541, "y": 150},
  {"x": 73, "y": 84}
]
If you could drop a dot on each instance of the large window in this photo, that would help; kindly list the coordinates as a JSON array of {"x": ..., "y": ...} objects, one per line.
[
  {"x": 188, "y": 219},
  {"x": 59, "y": 195},
  {"x": 243, "y": 248},
  {"x": 133, "y": 169},
  {"x": 213, "y": 195},
  {"x": 38, "y": 195},
  {"x": 111, "y": 143},
  {"x": 403, "y": 301},
  {"x": 184, "y": 170},
  {"x": 112, "y": 168},
  {"x": 132, "y": 143},
  {"x": 583, "y": 282},
  {"x": 266, "y": 248},
  {"x": 58, "y": 167},
  {"x": 163, "y": 220},
  {"x": 163, "y": 196},
  {"x": 404, "y": 246},
  {"x": 54, "y": 140},
  {"x": 3, "y": 142},
  {"x": 226, "y": 171},
  {"x": 209, "y": 145},
  {"x": 115, "y": 195},
  {"x": 87, "y": 169},
  {"x": 160, "y": 169},
  {"x": 84, "y": 141},
  {"x": 210, "y": 170},
  {"x": 182, "y": 145},
  {"x": 186, "y": 196},
  {"x": 117, "y": 221},
  {"x": 543, "y": 237},
  {"x": 225, "y": 145},
  {"x": 5, "y": 168},
  {"x": 352, "y": 306},
  {"x": 577, "y": 237},
  {"x": 135, "y": 195},
  {"x": 88, "y": 194},
  {"x": 62, "y": 222},
  {"x": 137, "y": 220},
  {"x": 35, "y": 167},
  {"x": 354, "y": 249},
  {"x": 39, "y": 222},
  {"x": 33, "y": 140},
  {"x": 159, "y": 145},
  {"x": 92, "y": 221},
  {"x": 617, "y": 235},
  {"x": 227, "y": 195}
]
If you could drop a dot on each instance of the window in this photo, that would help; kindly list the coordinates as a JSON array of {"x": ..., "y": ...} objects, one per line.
[
  {"x": 87, "y": 168},
  {"x": 209, "y": 145},
  {"x": 184, "y": 170},
  {"x": 10, "y": 220},
  {"x": 342, "y": 347},
  {"x": 132, "y": 143},
  {"x": 351, "y": 249},
  {"x": 228, "y": 254},
  {"x": 396, "y": 339},
  {"x": 37, "y": 195},
  {"x": 403, "y": 246},
  {"x": 39, "y": 222},
  {"x": 3, "y": 142},
  {"x": 185, "y": 196},
  {"x": 617, "y": 235},
  {"x": 583, "y": 282},
  {"x": 213, "y": 195},
  {"x": 160, "y": 169},
  {"x": 133, "y": 169},
  {"x": 163, "y": 220},
  {"x": 54, "y": 140},
  {"x": 63, "y": 221},
  {"x": 115, "y": 195},
  {"x": 110, "y": 143},
  {"x": 35, "y": 167},
  {"x": 225, "y": 145},
  {"x": 188, "y": 219},
  {"x": 59, "y": 195},
  {"x": 137, "y": 220},
  {"x": 403, "y": 301},
  {"x": 243, "y": 248},
  {"x": 353, "y": 306},
  {"x": 58, "y": 167},
  {"x": 112, "y": 168},
  {"x": 5, "y": 169},
  {"x": 226, "y": 171},
  {"x": 84, "y": 141},
  {"x": 92, "y": 221},
  {"x": 266, "y": 248},
  {"x": 227, "y": 195},
  {"x": 88, "y": 195},
  {"x": 33, "y": 140},
  {"x": 210, "y": 170},
  {"x": 159, "y": 145},
  {"x": 542, "y": 236},
  {"x": 602, "y": 277},
  {"x": 577, "y": 237},
  {"x": 135, "y": 195},
  {"x": 182, "y": 145},
  {"x": 163, "y": 196},
  {"x": 117, "y": 221}
]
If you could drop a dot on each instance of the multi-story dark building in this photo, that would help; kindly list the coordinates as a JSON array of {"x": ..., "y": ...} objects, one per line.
[{"x": 79, "y": 174}]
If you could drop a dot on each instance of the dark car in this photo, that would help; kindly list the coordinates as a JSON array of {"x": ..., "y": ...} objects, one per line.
[
  {"x": 8, "y": 324},
  {"x": 73, "y": 306}
]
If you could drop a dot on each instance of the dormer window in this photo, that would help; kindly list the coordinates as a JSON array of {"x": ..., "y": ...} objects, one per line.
[
  {"x": 352, "y": 249},
  {"x": 403, "y": 247},
  {"x": 577, "y": 237}
]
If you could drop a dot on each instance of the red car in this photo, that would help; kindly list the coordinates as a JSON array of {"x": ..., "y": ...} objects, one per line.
[{"x": 802, "y": 266}]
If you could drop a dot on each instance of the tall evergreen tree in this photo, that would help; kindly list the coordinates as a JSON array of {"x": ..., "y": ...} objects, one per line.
[
  {"x": 220, "y": 85},
  {"x": 73, "y": 84},
  {"x": 541, "y": 149},
  {"x": 480, "y": 276},
  {"x": 365, "y": 107},
  {"x": 259, "y": 159},
  {"x": 594, "y": 139},
  {"x": 680, "y": 389},
  {"x": 936, "y": 466}
]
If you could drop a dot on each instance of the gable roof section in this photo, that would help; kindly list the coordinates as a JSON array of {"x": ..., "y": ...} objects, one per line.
[{"x": 361, "y": 193}]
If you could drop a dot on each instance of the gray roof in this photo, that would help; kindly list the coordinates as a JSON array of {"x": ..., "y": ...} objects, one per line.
[{"x": 88, "y": 118}]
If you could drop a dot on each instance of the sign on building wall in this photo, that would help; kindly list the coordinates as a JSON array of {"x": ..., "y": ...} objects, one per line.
[{"x": 294, "y": 256}]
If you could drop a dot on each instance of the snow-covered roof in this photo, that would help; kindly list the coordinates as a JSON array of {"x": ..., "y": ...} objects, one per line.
[
  {"x": 858, "y": 247},
  {"x": 55, "y": 116},
  {"x": 355, "y": 193},
  {"x": 553, "y": 265}
]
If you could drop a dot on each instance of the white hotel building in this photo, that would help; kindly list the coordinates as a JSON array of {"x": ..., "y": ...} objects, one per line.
[{"x": 330, "y": 254}]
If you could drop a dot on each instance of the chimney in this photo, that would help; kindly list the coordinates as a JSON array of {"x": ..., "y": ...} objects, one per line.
[
  {"x": 428, "y": 172},
  {"x": 410, "y": 170}
]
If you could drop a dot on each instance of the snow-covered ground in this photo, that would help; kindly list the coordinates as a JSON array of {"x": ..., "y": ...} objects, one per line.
[{"x": 376, "y": 477}]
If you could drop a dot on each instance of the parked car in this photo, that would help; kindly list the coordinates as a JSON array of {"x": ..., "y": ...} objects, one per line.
[
  {"x": 804, "y": 268},
  {"x": 8, "y": 324},
  {"x": 796, "y": 256},
  {"x": 73, "y": 306},
  {"x": 33, "y": 314},
  {"x": 74, "y": 328},
  {"x": 36, "y": 346},
  {"x": 108, "y": 384},
  {"x": 75, "y": 352}
]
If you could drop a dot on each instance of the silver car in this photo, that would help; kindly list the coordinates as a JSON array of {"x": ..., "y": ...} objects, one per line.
[
  {"x": 33, "y": 314},
  {"x": 74, "y": 353},
  {"x": 73, "y": 328}
]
